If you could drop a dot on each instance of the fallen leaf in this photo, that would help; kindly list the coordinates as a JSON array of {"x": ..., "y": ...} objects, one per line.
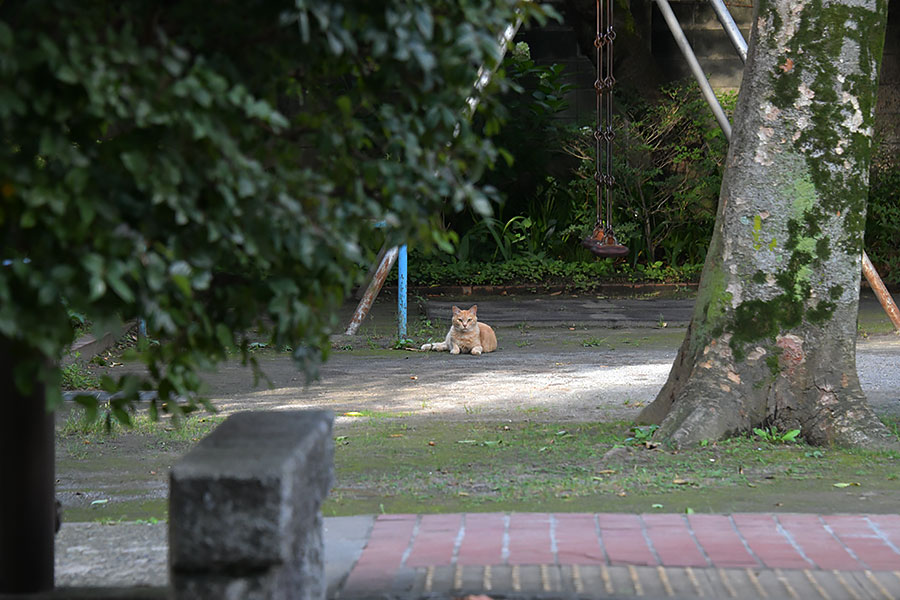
[
  {"x": 689, "y": 511},
  {"x": 622, "y": 494},
  {"x": 787, "y": 66},
  {"x": 463, "y": 494},
  {"x": 98, "y": 502},
  {"x": 571, "y": 329},
  {"x": 680, "y": 481},
  {"x": 352, "y": 413},
  {"x": 396, "y": 435},
  {"x": 556, "y": 293},
  {"x": 607, "y": 472},
  {"x": 466, "y": 441},
  {"x": 431, "y": 443},
  {"x": 844, "y": 485},
  {"x": 413, "y": 377},
  {"x": 656, "y": 506}
]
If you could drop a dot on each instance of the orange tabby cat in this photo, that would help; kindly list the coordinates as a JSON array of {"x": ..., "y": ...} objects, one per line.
[{"x": 466, "y": 335}]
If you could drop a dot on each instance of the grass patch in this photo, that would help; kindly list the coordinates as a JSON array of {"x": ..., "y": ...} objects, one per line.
[
  {"x": 390, "y": 466},
  {"x": 76, "y": 376},
  {"x": 187, "y": 429}
]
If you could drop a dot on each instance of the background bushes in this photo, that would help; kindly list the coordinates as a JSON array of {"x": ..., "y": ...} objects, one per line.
[{"x": 669, "y": 156}]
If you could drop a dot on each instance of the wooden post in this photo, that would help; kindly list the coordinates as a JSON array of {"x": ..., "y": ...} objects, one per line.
[
  {"x": 881, "y": 292},
  {"x": 365, "y": 304}
]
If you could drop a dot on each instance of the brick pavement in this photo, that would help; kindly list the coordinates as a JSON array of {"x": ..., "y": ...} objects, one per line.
[{"x": 739, "y": 555}]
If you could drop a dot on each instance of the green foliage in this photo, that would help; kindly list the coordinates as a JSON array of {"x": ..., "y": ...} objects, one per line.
[
  {"x": 883, "y": 216},
  {"x": 641, "y": 435},
  {"x": 668, "y": 161},
  {"x": 212, "y": 167},
  {"x": 528, "y": 134},
  {"x": 774, "y": 436},
  {"x": 76, "y": 376},
  {"x": 519, "y": 270}
]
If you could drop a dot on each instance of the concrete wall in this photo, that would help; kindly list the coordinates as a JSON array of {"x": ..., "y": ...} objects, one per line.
[{"x": 887, "y": 111}]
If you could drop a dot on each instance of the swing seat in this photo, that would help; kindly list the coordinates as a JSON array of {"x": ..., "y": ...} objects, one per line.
[
  {"x": 603, "y": 244},
  {"x": 604, "y": 250}
]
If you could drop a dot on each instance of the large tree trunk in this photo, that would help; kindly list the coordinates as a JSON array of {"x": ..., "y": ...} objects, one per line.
[
  {"x": 27, "y": 500},
  {"x": 773, "y": 335}
]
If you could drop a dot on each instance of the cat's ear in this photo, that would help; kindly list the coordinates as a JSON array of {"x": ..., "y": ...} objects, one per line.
[
  {"x": 474, "y": 309},
  {"x": 455, "y": 310}
]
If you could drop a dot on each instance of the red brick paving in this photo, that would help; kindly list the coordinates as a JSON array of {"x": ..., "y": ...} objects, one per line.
[
  {"x": 623, "y": 539},
  {"x": 383, "y": 555},
  {"x": 483, "y": 540},
  {"x": 529, "y": 539},
  {"x": 786, "y": 541},
  {"x": 717, "y": 535},
  {"x": 856, "y": 533},
  {"x": 576, "y": 540}
]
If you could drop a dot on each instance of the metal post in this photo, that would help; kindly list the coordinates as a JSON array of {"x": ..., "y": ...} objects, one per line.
[
  {"x": 401, "y": 291},
  {"x": 731, "y": 28},
  {"x": 696, "y": 69},
  {"x": 372, "y": 291}
]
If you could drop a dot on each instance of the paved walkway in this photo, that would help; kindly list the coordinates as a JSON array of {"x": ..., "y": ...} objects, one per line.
[
  {"x": 540, "y": 555},
  {"x": 750, "y": 555}
]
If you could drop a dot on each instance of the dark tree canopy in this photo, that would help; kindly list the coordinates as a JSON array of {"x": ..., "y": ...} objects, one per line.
[{"x": 213, "y": 166}]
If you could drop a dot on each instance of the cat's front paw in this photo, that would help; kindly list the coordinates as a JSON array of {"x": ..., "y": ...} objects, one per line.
[
  {"x": 476, "y": 350},
  {"x": 454, "y": 350},
  {"x": 426, "y": 346}
]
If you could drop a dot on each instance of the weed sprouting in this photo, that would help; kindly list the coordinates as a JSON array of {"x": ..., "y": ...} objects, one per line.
[
  {"x": 774, "y": 436},
  {"x": 76, "y": 376}
]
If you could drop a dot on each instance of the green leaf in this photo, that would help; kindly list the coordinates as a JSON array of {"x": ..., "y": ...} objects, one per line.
[
  {"x": 223, "y": 334},
  {"x": 791, "y": 435},
  {"x": 91, "y": 406}
]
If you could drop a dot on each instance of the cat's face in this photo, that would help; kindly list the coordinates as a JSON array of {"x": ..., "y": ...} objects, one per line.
[{"x": 465, "y": 320}]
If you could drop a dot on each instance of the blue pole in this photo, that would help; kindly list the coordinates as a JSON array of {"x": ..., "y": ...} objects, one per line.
[{"x": 401, "y": 290}]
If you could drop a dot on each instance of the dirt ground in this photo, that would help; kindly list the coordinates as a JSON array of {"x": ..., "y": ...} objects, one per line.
[{"x": 566, "y": 360}]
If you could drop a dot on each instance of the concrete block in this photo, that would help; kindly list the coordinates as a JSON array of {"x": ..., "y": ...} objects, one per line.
[{"x": 244, "y": 508}]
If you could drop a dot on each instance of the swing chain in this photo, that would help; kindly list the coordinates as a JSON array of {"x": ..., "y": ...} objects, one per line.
[
  {"x": 603, "y": 132},
  {"x": 602, "y": 241}
]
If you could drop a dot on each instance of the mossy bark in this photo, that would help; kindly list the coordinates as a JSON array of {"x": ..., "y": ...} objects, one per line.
[{"x": 773, "y": 336}]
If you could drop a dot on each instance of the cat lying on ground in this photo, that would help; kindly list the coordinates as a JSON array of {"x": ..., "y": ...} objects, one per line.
[{"x": 466, "y": 335}]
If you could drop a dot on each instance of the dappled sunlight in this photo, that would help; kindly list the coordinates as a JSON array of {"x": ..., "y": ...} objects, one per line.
[{"x": 585, "y": 386}]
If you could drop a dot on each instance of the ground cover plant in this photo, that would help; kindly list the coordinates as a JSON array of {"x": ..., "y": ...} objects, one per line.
[
  {"x": 394, "y": 465},
  {"x": 394, "y": 462}
]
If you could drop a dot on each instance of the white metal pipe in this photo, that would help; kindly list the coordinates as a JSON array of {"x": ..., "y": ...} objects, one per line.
[
  {"x": 696, "y": 69},
  {"x": 731, "y": 28}
]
